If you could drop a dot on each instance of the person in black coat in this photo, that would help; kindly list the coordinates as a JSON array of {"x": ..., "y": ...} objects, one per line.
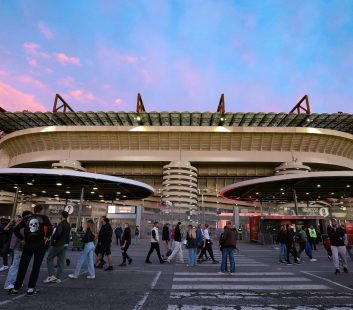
[{"x": 125, "y": 243}]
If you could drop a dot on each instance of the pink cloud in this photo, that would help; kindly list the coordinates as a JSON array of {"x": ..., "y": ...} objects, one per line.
[
  {"x": 64, "y": 59},
  {"x": 33, "y": 62},
  {"x": 189, "y": 76},
  {"x": 68, "y": 82},
  {"x": 111, "y": 55},
  {"x": 12, "y": 99},
  {"x": 146, "y": 77},
  {"x": 27, "y": 79},
  {"x": 45, "y": 31},
  {"x": 131, "y": 59},
  {"x": 30, "y": 47},
  {"x": 80, "y": 95}
]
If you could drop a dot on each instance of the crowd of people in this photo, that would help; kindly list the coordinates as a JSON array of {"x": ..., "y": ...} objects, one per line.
[{"x": 307, "y": 238}]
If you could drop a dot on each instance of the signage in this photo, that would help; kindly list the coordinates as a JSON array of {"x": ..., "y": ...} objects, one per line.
[
  {"x": 56, "y": 209},
  {"x": 317, "y": 211}
]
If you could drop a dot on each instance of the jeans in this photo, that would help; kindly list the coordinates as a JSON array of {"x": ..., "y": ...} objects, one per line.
[
  {"x": 282, "y": 252},
  {"x": 228, "y": 252},
  {"x": 86, "y": 254},
  {"x": 192, "y": 258},
  {"x": 37, "y": 250},
  {"x": 12, "y": 274},
  {"x": 60, "y": 253},
  {"x": 137, "y": 238},
  {"x": 177, "y": 249}
]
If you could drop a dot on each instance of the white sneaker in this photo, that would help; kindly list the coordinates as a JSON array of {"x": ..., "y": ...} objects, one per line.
[
  {"x": 72, "y": 276},
  {"x": 91, "y": 277},
  {"x": 220, "y": 272},
  {"x": 4, "y": 268},
  {"x": 9, "y": 287},
  {"x": 58, "y": 281},
  {"x": 232, "y": 273},
  {"x": 313, "y": 260},
  {"x": 50, "y": 279}
]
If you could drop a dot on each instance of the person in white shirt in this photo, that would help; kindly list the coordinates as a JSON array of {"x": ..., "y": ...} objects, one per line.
[
  {"x": 154, "y": 244},
  {"x": 207, "y": 245}
]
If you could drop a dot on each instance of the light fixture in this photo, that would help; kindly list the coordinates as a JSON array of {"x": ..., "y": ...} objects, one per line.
[
  {"x": 58, "y": 184},
  {"x": 124, "y": 196},
  {"x": 257, "y": 193},
  {"x": 95, "y": 188},
  {"x": 67, "y": 192},
  {"x": 138, "y": 118},
  {"x": 44, "y": 192},
  {"x": 92, "y": 192},
  {"x": 282, "y": 189},
  {"x": 118, "y": 193},
  {"x": 56, "y": 195},
  {"x": 34, "y": 195},
  {"x": 100, "y": 196},
  {"x": 29, "y": 183},
  {"x": 15, "y": 187},
  {"x": 102, "y": 200},
  {"x": 20, "y": 191},
  {"x": 332, "y": 193},
  {"x": 348, "y": 186},
  {"x": 307, "y": 193},
  {"x": 318, "y": 185},
  {"x": 283, "y": 193}
]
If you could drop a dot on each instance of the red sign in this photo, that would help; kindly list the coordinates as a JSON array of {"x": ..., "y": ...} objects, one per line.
[{"x": 254, "y": 222}]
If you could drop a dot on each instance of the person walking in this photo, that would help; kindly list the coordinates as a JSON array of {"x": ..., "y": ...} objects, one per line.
[
  {"x": 290, "y": 245},
  {"x": 154, "y": 244},
  {"x": 137, "y": 234},
  {"x": 5, "y": 232},
  {"x": 87, "y": 254},
  {"x": 126, "y": 241},
  {"x": 165, "y": 240},
  {"x": 282, "y": 244},
  {"x": 312, "y": 237},
  {"x": 191, "y": 244},
  {"x": 59, "y": 243},
  {"x": 36, "y": 230},
  {"x": 104, "y": 241},
  {"x": 118, "y": 232},
  {"x": 338, "y": 248},
  {"x": 207, "y": 245},
  {"x": 304, "y": 245},
  {"x": 16, "y": 247},
  {"x": 177, "y": 244},
  {"x": 229, "y": 244}
]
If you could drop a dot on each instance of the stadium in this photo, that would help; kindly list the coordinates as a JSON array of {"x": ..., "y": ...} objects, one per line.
[{"x": 187, "y": 157}]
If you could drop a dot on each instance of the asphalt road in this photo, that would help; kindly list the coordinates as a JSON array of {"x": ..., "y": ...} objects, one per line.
[{"x": 260, "y": 283}]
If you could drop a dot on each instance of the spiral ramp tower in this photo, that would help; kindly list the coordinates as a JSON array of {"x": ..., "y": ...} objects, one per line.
[{"x": 180, "y": 186}]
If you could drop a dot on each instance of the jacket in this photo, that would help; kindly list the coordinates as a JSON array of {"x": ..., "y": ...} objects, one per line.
[
  {"x": 177, "y": 234},
  {"x": 154, "y": 235},
  {"x": 88, "y": 236},
  {"x": 191, "y": 243},
  {"x": 336, "y": 236},
  {"x": 165, "y": 233},
  {"x": 126, "y": 236},
  {"x": 105, "y": 235},
  {"x": 229, "y": 238},
  {"x": 34, "y": 231},
  {"x": 61, "y": 235}
]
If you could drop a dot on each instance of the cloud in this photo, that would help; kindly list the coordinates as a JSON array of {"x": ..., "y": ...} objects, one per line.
[
  {"x": 64, "y": 59},
  {"x": 45, "y": 31},
  {"x": 68, "y": 82},
  {"x": 30, "y": 47},
  {"x": 27, "y": 79},
  {"x": 32, "y": 62},
  {"x": 12, "y": 99},
  {"x": 81, "y": 95},
  {"x": 111, "y": 55}
]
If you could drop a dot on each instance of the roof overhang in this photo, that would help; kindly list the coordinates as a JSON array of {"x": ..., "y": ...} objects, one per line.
[
  {"x": 308, "y": 186},
  {"x": 68, "y": 184}
]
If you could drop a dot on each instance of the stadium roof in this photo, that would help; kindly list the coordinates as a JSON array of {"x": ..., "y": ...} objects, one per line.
[{"x": 13, "y": 121}]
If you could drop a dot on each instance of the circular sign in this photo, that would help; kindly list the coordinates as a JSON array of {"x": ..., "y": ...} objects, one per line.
[
  {"x": 323, "y": 212},
  {"x": 69, "y": 209}
]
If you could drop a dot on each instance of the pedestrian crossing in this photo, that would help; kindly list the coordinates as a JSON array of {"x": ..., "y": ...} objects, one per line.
[
  {"x": 241, "y": 260},
  {"x": 251, "y": 290}
]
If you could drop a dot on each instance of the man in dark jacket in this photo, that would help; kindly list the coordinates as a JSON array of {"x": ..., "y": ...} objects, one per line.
[
  {"x": 37, "y": 230},
  {"x": 59, "y": 243},
  {"x": 337, "y": 238},
  {"x": 118, "y": 232},
  {"x": 229, "y": 243},
  {"x": 165, "y": 240},
  {"x": 125, "y": 243},
  {"x": 104, "y": 243}
]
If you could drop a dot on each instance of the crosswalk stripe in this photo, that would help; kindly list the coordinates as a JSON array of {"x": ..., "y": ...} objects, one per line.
[
  {"x": 275, "y": 273},
  {"x": 248, "y": 287},
  {"x": 236, "y": 279},
  {"x": 257, "y": 307}
]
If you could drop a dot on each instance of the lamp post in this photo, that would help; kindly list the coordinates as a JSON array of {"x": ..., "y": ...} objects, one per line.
[{"x": 201, "y": 192}]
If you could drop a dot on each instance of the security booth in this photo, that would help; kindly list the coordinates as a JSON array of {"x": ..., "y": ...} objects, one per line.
[{"x": 264, "y": 229}]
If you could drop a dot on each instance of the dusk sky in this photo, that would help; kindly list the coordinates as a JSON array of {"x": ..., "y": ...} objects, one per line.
[{"x": 180, "y": 55}]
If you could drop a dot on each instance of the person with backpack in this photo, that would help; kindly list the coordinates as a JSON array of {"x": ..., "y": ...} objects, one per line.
[
  {"x": 191, "y": 244},
  {"x": 177, "y": 244},
  {"x": 304, "y": 244}
]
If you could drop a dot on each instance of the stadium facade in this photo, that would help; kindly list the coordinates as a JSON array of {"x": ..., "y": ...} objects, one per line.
[{"x": 187, "y": 157}]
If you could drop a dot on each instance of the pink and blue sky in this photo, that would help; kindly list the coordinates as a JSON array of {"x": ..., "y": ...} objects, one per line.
[{"x": 180, "y": 55}]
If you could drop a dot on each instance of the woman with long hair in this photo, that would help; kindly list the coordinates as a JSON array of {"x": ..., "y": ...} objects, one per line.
[
  {"x": 192, "y": 246},
  {"x": 88, "y": 239}
]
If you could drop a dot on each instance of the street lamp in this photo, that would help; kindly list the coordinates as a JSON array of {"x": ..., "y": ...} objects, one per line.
[{"x": 202, "y": 191}]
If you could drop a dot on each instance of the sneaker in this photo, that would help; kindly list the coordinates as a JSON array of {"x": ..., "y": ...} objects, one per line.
[
  {"x": 297, "y": 263},
  {"x": 68, "y": 262},
  {"x": 122, "y": 264},
  {"x": 163, "y": 261},
  {"x": 148, "y": 262},
  {"x": 13, "y": 291},
  {"x": 337, "y": 271},
  {"x": 9, "y": 287},
  {"x": 100, "y": 266},
  {"x": 50, "y": 279},
  {"x": 220, "y": 272},
  {"x": 4, "y": 268},
  {"x": 72, "y": 276},
  {"x": 298, "y": 259},
  {"x": 130, "y": 261},
  {"x": 32, "y": 292},
  {"x": 345, "y": 269},
  {"x": 313, "y": 260},
  {"x": 58, "y": 281},
  {"x": 91, "y": 277},
  {"x": 289, "y": 264},
  {"x": 215, "y": 262},
  {"x": 232, "y": 273},
  {"x": 109, "y": 268}
]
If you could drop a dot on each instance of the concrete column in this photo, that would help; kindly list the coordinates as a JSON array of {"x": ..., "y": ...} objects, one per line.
[{"x": 236, "y": 216}]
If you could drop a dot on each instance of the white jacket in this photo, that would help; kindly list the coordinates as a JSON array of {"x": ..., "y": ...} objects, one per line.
[{"x": 156, "y": 240}]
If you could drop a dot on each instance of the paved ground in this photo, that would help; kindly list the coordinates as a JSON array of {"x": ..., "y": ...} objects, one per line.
[{"x": 260, "y": 283}]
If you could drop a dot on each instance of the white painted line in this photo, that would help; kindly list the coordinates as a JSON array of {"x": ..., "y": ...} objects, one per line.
[
  {"x": 140, "y": 304},
  {"x": 248, "y": 287},
  {"x": 275, "y": 273},
  {"x": 333, "y": 282},
  {"x": 236, "y": 279},
  {"x": 10, "y": 300}
]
